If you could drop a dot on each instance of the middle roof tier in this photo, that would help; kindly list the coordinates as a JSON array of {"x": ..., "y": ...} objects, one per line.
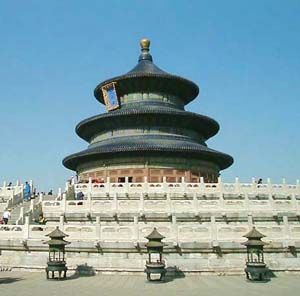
[{"x": 147, "y": 117}]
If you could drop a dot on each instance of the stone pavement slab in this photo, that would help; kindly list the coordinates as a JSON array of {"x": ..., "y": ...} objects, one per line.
[{"x": 34, "y": 283}]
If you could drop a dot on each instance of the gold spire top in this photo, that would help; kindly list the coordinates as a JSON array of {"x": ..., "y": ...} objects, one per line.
[{"x": 145, "y": 44}]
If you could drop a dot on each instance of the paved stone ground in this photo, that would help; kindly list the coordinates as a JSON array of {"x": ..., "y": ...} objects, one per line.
[{"x": 34, "y": 283}]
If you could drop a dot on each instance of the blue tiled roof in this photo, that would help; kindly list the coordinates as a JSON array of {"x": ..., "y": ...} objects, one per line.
[
  {"x": 161, "y": 145},
  {"x": 146, "y": 76},
  {"x": 203, "y": 124}
]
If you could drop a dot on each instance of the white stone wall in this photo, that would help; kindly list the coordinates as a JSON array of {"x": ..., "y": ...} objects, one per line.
[
  {"x": 135, "y": 262},
  {"x": 176, "y": 209}
]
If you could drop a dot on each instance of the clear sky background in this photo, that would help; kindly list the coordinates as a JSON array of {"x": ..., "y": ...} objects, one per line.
[{"x": 244, "y": 55}]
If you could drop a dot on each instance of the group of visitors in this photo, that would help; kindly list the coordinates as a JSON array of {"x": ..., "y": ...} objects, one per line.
[{"x": 41, "y": 220}]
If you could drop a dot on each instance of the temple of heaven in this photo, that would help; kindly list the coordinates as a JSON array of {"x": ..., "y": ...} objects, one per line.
[{"x": 146, "y": 131}]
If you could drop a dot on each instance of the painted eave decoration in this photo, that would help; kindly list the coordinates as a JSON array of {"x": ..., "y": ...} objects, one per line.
[{"x": 110, "y": 96}]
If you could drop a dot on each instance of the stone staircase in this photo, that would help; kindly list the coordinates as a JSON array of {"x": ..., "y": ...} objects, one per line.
[{"x": 26, "y": 207}]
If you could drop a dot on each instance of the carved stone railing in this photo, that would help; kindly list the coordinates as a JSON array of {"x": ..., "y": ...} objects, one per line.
[
  {"x": 10, "y": 196},
  {"x": 213, "y": 233},
  {"x": 180, "y": 198},
  {"x": 236, "y": 188}
]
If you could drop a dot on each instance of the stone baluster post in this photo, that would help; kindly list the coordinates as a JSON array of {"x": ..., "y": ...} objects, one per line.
[
  {"x": 287, "y": 230},
  {"x": 21, "y": 215},
  {"x": 220, "y": 184},
  {"x": 22, "y": 191},
  {"x": 269, "y": 186},
  {"x": 285, "y": 190},
  {"x": 272, "y": 202},
  {"x": 175, "y": 229},
  {"x": 26, "y": 228},
  {"x": 61, "y": 221},
  {"x": 169, "y": 205},
  {"x": 31, "y": 207},
  {"x": 250, "y": 221},
  {"x": 64, "y": 203},
  {"x": 59, "y": 193},
  {"x": 295, "y": 204},
  {"x": 145, "y": 185},
  {"x": 165, "y": 185},
  {"x": 115, "y": 209},
  {"x": 107, "y": 186},
  {"x": 214, "y": 231},
  {"x": 183, "y": 185},
  {"x": 196, "y": 204},
  {"x": 89, "y": 195},
  {"x": 40, "y": 197},
  {"x": 254, "y": 184},
  {"x": 298, "y": 185},
  {"x": 136, "y": 229},
  {"x": 98, "y": 227},
  {"x": 221, "y": 196},
  {"x": 141, "y": 205},
  {"x": 67, "y": 186},
  {"x": 202, "y": 188},
  {"x": 237, "y": 186},
  {"x": 247, "y": 204}
]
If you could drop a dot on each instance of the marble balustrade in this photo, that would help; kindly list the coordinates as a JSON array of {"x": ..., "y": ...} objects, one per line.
[
  {"x": 213, "y": 233},
  {"x": 180, "y": 198}
]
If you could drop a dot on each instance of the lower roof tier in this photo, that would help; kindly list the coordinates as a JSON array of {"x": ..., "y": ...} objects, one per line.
[
  {"x": 131, "y": 146},
  {"x": 152, "y": 115}
]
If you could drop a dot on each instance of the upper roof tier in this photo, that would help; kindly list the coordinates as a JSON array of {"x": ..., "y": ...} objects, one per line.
[{"x": 147, "y": 77}]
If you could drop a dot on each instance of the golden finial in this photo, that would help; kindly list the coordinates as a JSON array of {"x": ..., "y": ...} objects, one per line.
[{"x": 145, "y": 44}]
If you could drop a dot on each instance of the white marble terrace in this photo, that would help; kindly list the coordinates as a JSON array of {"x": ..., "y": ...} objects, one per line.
[
  {"x": 146, "y": 198},
  {"x": 174, "y": 201}
]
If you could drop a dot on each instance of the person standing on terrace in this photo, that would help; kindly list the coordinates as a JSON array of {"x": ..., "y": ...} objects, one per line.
[{"x": 27, "y": 191}]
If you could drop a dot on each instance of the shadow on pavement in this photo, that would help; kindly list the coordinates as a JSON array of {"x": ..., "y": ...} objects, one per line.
[
  {"x": 173, "y": 273},
  {"x": 9, "y": 280},
  {"x": 82, "y": 270}
]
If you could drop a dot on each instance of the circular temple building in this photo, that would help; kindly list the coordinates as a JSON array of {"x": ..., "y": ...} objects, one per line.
[{"x": 147, "y": 132}]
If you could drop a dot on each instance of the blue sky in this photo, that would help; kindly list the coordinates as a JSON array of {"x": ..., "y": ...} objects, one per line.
[{"x": 244, "y": 55}]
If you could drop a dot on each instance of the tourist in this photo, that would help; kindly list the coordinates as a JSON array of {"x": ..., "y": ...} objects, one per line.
[
  {"x": 27, "y": 191},
  {"x": 79, "y": 196},
  {"x": 258, "y": 182},
  {"x": 41, "y": 220},
  {"x": 9, "y": 184},
  {"x": 50, "y": 192},
  {"x": 6, "y": 216}
]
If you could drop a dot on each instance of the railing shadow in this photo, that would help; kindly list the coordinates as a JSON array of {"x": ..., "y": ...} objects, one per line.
[
  {"x": 9, "y": 280},
  {"x": 270, "y": 274},
  {"x": 173, "y": 273},
  {"x": 82, "y": 270}
]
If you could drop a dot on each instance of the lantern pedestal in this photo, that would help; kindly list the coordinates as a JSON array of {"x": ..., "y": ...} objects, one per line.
[
  {"x": 56, "y": 266},
  {"x": 256, "y": 269},
  {"x": 155, "y": 249},
  {"x": 256, "y": 272},
  {"x": 56, "y": 261},
  {"x": 155, "y": 268}
]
